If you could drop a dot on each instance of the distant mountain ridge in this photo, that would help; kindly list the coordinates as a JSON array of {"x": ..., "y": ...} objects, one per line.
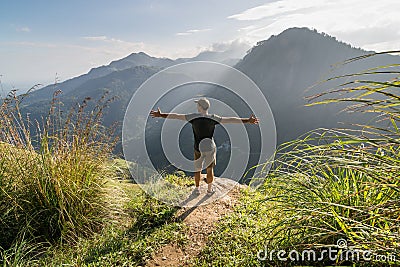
[
  {"x": 130, "y": 61},
  {"x": 287, "y": 67},
  {"x": 283, "y": 66}
]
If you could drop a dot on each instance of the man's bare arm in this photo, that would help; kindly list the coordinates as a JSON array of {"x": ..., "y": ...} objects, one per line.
[
  {"x": 158, "y": 114},
  {"x": 252, "y": 120}
]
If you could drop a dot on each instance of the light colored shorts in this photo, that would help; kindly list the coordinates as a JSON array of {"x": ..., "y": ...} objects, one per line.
[{"x": 209, "y": 158}]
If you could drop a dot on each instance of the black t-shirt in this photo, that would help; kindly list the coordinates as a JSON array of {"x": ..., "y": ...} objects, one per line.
[{"x": 203, "y": 126}]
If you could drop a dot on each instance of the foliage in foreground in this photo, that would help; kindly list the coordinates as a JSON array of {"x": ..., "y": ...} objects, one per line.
[
  {"x": 328, "y": 186},
  {"x": 59, "y": 203},
  {"x": 144, "y": 227},
  {"x": 52, "y": 175}
]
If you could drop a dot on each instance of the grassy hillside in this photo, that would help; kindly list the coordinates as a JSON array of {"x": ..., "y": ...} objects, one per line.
[
  {"x": 143, "y": 226},
  {"x": 62, "y": 203},
  {"x": 52, "y": 178},
  {"x": 330, "y": 189}
]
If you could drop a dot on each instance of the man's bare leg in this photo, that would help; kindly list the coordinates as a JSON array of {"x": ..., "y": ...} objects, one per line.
[
  {"x": 197, "y": 176},
  {"x": 210, "y": 177}
]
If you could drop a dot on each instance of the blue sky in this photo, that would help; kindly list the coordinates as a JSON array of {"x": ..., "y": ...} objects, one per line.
[{"x": 42, "y": 39}]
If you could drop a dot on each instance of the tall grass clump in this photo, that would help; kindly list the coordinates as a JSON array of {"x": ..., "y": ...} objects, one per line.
[
  {"x": 342, "y": 184},
  {"x": 52, "y": 172}
]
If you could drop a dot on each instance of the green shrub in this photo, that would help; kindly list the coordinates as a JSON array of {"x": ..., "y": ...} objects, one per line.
[
  {"x": 52, "y": 173},
  {"x": 325, "y": 186},
  {"x": 332, "y": 184},
  {"x": 145, "y": 226},
  {"x": 179, "y": 178}
]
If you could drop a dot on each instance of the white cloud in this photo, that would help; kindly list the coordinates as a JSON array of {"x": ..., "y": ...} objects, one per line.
[
  {"x": 109, "y": 45},
  {"x": 189, "y": 32},
  {"x": 202, "y": 30},
  {"x": 23, "y": 29},
  {"x": 95, "y": 38},
  {"x": 31, "y": 44},
  {"x": 106, "y": 39},
  {"x": 277, "y": 8},
  {"x": 237, "y": 44},
  {"x": 366, "y": 24},
  {"x": 182, "y": 33}
]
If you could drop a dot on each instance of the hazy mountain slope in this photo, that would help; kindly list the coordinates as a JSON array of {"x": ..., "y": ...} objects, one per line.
[
  {"x": 119, "y": 84},
  {"x": 133, "y": 60},
  {"x": 283, "y": 66},
  {"x": 229, "y": 57},
  {"x": 226, "y": 53},
  {"x": 286, "y": 65},
  {"x": 221, "y": 57}
]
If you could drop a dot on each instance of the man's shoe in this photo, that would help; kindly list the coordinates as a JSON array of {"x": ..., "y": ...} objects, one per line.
[
  {"x": 196, "y": 191},
  {"x": 210, "y": 191}
]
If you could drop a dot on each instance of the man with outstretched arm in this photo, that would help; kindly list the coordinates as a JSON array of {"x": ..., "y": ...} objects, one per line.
[{"x": 203, "y": 125}]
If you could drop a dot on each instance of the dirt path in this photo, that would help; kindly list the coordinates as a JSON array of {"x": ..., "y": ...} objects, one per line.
[{"x": 201, "y": 221}]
